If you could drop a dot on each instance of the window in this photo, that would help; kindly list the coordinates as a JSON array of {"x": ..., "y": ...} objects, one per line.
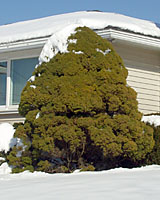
[
  {"x": 13, "y": 77},
  {"x": 3, "y": 79},
  {"x": 21, "y": 71}
]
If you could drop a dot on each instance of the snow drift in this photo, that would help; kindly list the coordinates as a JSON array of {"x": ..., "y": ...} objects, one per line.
[
  {"x": 152, "y": 119},
  {"x": 6, "y": 135},
  {"x": 121, "y": 184}
]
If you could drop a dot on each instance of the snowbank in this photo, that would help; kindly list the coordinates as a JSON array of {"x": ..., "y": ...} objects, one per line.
[
  {"x": 6, "y": 135},
  {"x": 121, "y": 184},
  {"x": 5, "y": 169},
  {"x": 152, "y": 119}
]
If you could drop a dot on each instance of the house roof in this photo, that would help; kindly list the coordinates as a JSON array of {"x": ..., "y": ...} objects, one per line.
[{"x": 48, "y": 26}]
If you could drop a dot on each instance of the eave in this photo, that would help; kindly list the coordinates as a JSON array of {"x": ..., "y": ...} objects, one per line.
[
  {"x": 23, "y": 44},
  {"x": 109, "y": 33},
  {"x": 130, "y": 37}
]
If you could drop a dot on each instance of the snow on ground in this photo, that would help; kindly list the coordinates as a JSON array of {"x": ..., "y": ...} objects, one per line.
[
  {"x": 122, "y": 184},
  {"x": 4, "y": 169},
  {"x": 6, "y": 135},
  {"x": 140, "y": 183},
  {"x": 152, "y": 119}
]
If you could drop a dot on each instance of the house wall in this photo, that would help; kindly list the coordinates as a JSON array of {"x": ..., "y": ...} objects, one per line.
[
  {"x": 26, "y": 53},
  {"x": 143, "y": 66},
  {"x": 9, "y": 113},
  {"x": 11, "y": 118}
]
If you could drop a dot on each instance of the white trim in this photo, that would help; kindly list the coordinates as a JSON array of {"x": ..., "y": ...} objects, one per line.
[
  {"x": 23, "y": 57},
  {"x": 3, "y": 106},
  {"x": 112, "y": 34},
  {"x": 8, "y": 108},
  {"x": 25, "y": 44},
  {"x": 8, "y": 83}
]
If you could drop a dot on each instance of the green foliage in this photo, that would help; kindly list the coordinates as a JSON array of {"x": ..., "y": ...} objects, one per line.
[
  {"x": 20, "y": 163},
  {"x": 81, "y": 112},
  {"x": 2, "y": 157},
  {"x": 154, "y": 156},
  {"x": 88, "y": 168}
]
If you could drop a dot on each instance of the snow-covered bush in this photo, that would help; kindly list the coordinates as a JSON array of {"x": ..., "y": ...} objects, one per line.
[{"x": 80, "y": 111}]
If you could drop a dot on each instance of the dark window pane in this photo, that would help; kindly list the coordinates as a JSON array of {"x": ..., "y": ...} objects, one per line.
[
  {"x": 21, "y": 71},
  {"x": 3, "y": 79}
]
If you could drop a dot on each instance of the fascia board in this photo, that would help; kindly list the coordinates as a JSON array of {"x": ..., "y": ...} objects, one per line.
[
  {"x": 112, "y": 35},
  {"x": 22, "y": 45}
]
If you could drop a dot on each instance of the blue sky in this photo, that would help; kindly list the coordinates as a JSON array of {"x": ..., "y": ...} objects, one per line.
[{"x": 20, "y": 10}]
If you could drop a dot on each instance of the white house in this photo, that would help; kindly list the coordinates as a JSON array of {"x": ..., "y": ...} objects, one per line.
[{"x": 137, "y": 42}]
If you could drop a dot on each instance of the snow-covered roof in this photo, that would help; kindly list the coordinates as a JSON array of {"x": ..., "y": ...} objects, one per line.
[{"x": 47, "y": 26}]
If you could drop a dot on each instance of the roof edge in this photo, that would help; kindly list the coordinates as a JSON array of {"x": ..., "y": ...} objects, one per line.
[{"x": 109, "y": 32}]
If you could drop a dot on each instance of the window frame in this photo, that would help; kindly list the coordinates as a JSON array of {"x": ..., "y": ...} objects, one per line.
[
  {"x": 8, "y": 107},
  {"x": 2, "y": 106}
]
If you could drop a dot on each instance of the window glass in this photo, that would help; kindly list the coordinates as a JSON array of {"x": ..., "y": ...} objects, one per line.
[
  {"x": 21, "y": 71},
  {"x": 3, "y": 79}
]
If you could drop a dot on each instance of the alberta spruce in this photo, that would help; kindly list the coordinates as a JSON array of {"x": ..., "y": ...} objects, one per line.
[{"x": 80, "y": 114}]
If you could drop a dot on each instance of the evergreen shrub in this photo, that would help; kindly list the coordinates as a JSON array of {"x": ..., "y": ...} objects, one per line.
[
  {"x": 80, "y": 113},
  {"x": 154, "y": 156}
]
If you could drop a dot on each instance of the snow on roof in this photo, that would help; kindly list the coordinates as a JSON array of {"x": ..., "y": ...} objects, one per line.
[
  {"x": 95, "y": 20},
  {"x": 158, "y": 25}
]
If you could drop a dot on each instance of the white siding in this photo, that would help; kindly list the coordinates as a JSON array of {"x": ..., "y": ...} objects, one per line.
[
  {"x": 143, "y": 66},
  {"x": 147, "y": 85}
]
